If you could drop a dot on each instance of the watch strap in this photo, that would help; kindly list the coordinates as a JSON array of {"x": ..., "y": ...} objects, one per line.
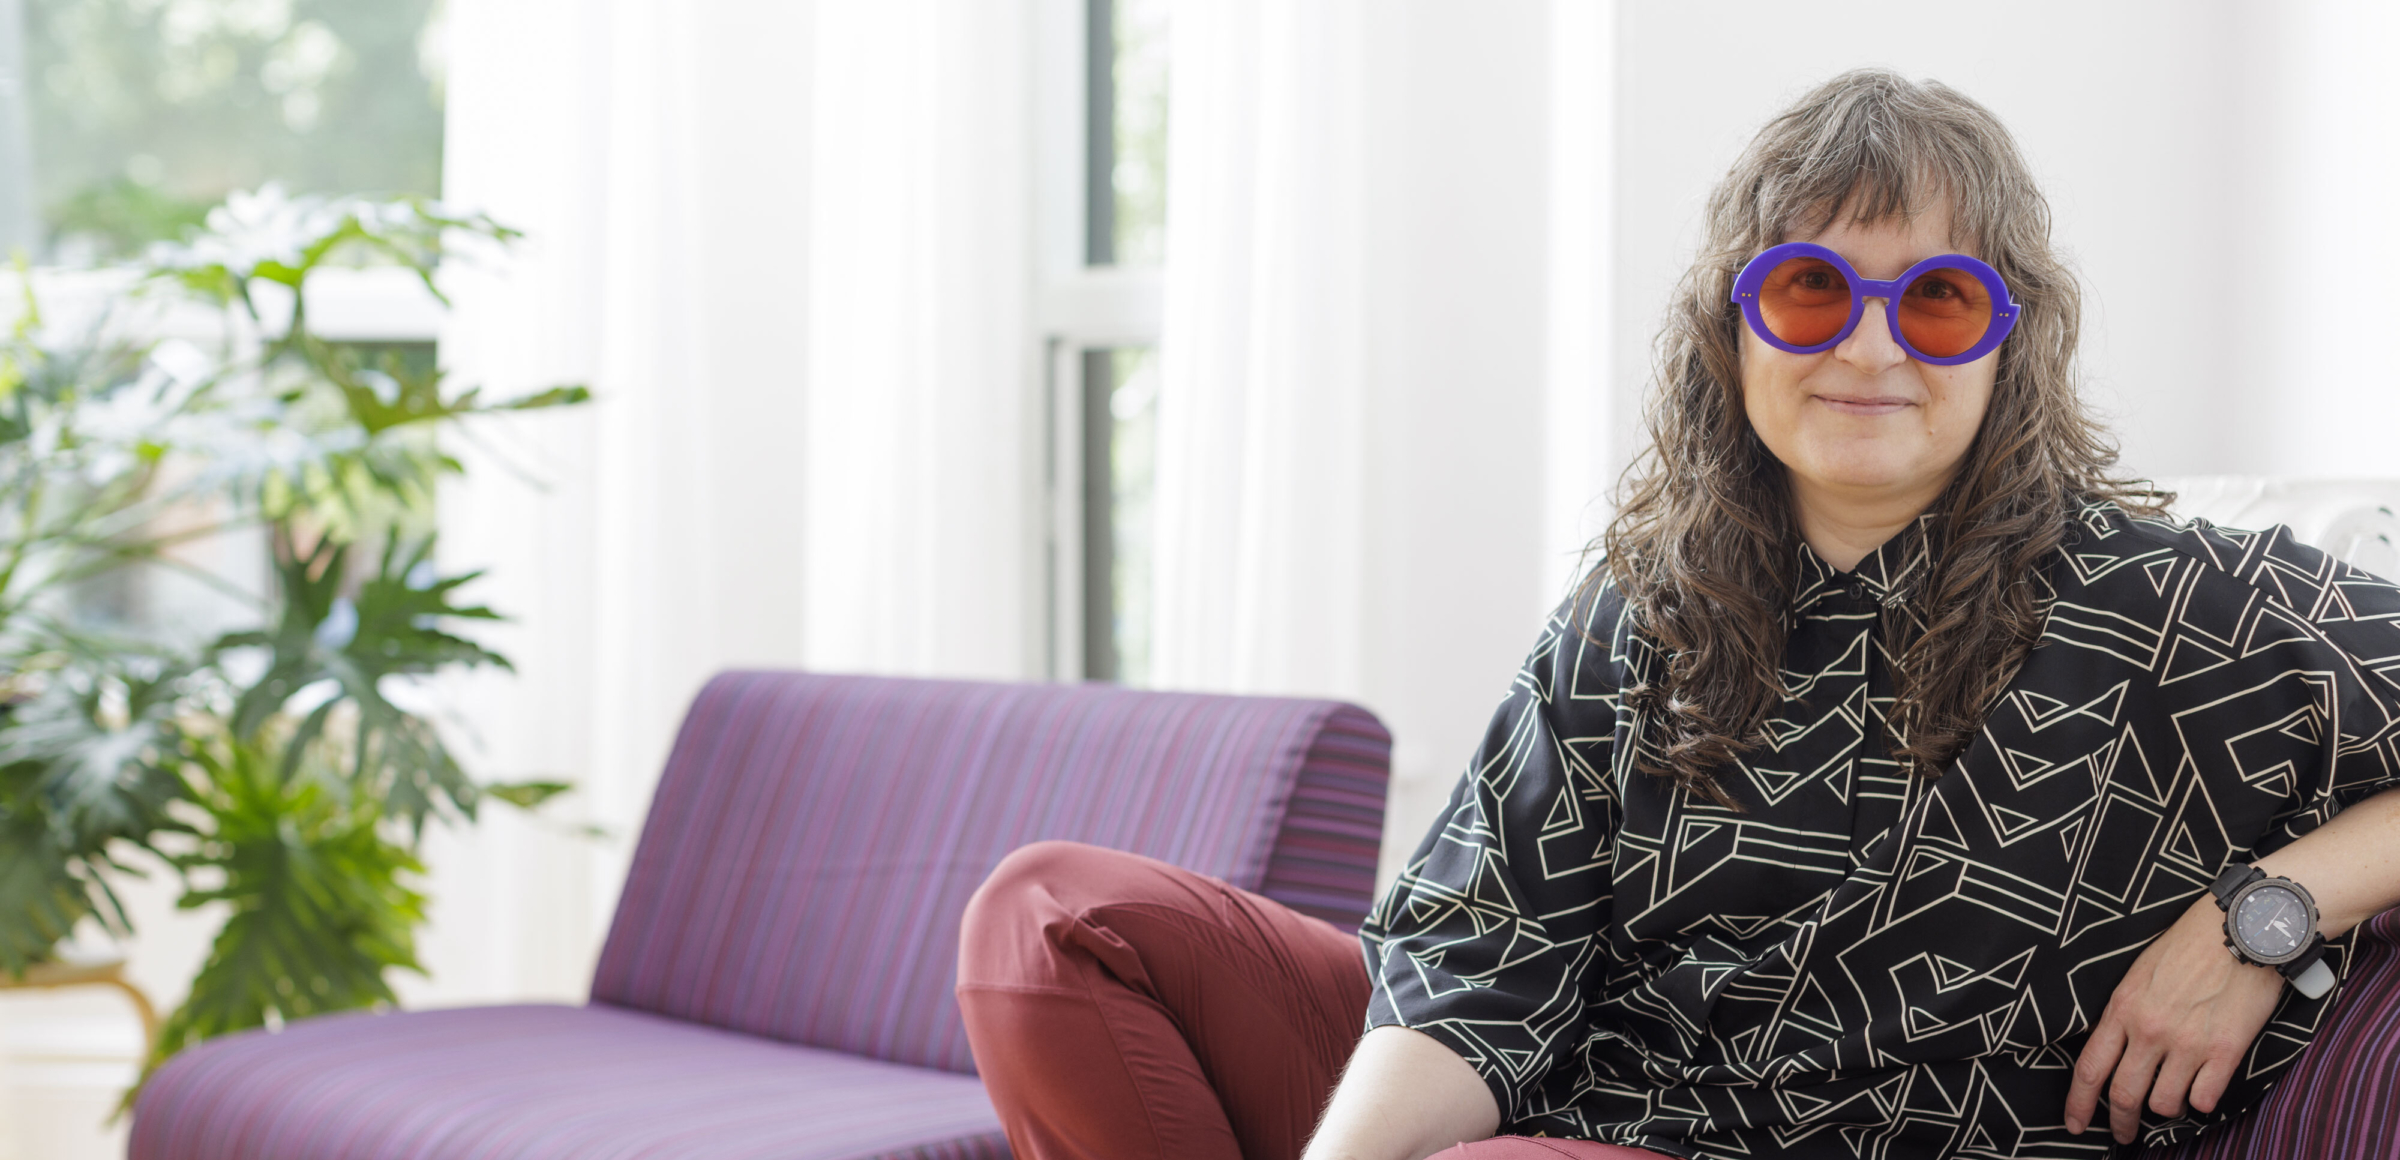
[
  {"x": 2314, "y": 981},
  {"x": 2309, "y": 956},
  {"x": 2235, "y": 876}
]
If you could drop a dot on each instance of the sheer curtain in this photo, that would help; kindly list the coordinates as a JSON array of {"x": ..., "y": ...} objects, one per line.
[
  {"x": 1382, "y": 414},
  {"x": 922, "y": 448},
  {"x": 780, "y": 242},
  {"x": 1263, "y": 403}
]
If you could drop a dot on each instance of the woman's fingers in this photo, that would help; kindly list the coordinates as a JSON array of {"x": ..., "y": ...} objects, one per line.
[
  {"x": 2136, "y": 1072},
  {"x": 2174, "y": 1031},
  {"x": 2209, "y": 1086},
  {"x": 2093, "y": 1067},
  {"x": 2174, "y": 1082}
]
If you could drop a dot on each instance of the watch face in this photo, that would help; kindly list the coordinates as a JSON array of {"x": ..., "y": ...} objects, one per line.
[{"x": 2272, "y": 922}]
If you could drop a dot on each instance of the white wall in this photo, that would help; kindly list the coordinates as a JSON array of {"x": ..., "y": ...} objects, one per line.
[
  {"x": 1458, "y": 572},
  {"x": 2313, "y": 164}
]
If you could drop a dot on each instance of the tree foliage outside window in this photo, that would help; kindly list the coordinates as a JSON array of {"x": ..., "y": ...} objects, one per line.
[
  {"x": 1139, "y": 173},
  {"x": 145, "y": 113}
]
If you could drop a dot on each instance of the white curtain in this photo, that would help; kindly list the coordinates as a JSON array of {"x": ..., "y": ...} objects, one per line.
[
  {"x": 922, "y": 447},
  {"x": 1382, "y": 412},
  {"x": 781, "y": 243},
  {"x": 1588, "y": 425},
  {"x": 1262, "y": 410}
]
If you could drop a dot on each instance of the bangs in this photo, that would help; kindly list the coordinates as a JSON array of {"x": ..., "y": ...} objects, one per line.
[{"x": 1879, "y": 157}]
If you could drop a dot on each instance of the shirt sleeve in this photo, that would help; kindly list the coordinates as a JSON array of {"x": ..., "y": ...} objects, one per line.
[
  {"x": 2355, "y": 617},
  {"x": 1484, "y": 940},
  {"x": 2360, "y": 616}
]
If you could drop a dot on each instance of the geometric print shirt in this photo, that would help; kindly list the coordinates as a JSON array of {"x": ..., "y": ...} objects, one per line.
[{"x": 1860, "y": 962}]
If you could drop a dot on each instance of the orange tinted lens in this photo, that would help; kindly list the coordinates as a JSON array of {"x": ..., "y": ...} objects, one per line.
[
  {"x": 1944, "y": 312},
  {"x": 1805, "y": 301}
]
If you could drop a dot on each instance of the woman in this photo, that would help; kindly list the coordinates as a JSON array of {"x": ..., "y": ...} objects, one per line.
[{"x": 1875, "y": 797}]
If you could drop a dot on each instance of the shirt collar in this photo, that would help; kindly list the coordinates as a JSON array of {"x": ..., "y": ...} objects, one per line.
[{"x": 1885, "y": 576}]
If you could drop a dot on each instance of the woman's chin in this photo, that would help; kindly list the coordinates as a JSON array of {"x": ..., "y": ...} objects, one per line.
[{"x": 1862, "y": 476}]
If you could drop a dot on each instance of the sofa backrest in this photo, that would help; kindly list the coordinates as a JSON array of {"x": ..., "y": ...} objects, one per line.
[
  {"x": 815, "y": 838},
  {"x": 2354, "y": 520}
]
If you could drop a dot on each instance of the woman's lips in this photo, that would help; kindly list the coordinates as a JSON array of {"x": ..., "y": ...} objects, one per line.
[{"x": 1877, "y": 405}]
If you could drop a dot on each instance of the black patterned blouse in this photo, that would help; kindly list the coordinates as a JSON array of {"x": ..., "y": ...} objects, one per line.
[{"x": 1863, "y": 963}]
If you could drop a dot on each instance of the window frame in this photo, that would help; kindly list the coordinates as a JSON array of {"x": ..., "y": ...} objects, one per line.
[
  {"x": 369, "y": 304},
  {"x": 1079, "y": 309}
]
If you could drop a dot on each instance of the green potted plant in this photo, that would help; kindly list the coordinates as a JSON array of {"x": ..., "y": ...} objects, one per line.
[{"x": 276, "y": 767}]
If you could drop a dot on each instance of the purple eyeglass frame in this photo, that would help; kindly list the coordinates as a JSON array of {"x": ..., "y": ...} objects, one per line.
[{"x": 1754, "y": 275}]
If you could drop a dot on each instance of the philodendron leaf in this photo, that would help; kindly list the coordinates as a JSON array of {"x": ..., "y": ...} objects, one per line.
[
  {"x": 401, "y": 613},
  {"x": 394, "y": 628},
  {"x": 526, "y": 795},
  {"x": 99, "y": 747},
  {"x": 41, "y": 899},
  {"x": 320, "y": 900},
  {"x": 310, "y": 582},
  {"x": 561, "y": 396}
]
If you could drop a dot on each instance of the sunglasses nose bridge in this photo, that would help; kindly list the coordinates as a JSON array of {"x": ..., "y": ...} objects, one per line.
[{"x": 1870, "y": 290}]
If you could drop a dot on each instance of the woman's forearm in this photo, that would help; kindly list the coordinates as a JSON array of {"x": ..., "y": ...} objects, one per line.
[
  {"x": 2351, "y": 864},
  {"x": 1403, "y": 1097}
]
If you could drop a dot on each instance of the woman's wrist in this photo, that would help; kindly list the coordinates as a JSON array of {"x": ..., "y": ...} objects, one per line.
[{"x": 2350, "y": 865}]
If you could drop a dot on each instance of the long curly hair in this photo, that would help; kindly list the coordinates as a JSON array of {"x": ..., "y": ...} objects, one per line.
[{"x": 1703, "y": 542}]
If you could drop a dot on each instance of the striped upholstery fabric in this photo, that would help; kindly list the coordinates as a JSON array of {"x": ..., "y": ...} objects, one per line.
[
  {"x": 1324, "y": 858},
  {"x": 815, "y": 838},
  {"x": 594, "y": 1083},
  {"x": 2341, "y": 1099}
]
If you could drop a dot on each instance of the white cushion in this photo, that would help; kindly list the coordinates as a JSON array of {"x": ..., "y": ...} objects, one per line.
[{"x": 2357, "y": 520}]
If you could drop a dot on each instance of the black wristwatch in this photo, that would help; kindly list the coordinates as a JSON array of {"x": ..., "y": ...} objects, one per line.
[{"x": 2272, "y": 922}]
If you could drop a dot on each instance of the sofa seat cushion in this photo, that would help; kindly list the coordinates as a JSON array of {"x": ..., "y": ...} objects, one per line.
[{"x": 596, "y": 1083}]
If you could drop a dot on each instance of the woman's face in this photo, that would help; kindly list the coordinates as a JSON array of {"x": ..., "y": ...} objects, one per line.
[{"x": 1865, "y": 423}]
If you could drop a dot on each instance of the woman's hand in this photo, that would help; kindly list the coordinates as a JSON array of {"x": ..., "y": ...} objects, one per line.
[
  {"x": 2176, "y": 1027},
  {"x": 2187, "y": 1012}
]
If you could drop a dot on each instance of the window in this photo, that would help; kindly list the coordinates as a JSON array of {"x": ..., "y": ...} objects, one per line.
[
  {"x": 1100, "y": 314},
  {"x": 123, "y": 122},
  {"x": 143, "y": 113},
  {"x": 1120, "y": 442},
  {"x": 1125, "y": 133}
]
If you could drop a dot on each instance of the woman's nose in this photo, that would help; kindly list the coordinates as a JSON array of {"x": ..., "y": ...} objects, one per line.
[{"x": 1871, "y": 348}]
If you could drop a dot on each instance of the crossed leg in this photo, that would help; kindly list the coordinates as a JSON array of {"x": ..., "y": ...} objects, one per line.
[{"x": 1123, "y": 1008}]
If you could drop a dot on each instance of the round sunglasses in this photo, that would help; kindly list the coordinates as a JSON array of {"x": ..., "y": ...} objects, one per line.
[{"x": 1804, "y": 298}]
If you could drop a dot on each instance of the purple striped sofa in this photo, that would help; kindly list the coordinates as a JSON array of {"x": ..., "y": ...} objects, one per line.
[{"x": 777, "y": 983}]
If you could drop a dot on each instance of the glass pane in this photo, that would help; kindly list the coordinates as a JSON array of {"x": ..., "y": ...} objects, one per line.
[
  {"x": 1138, "y": 179},
  {"x": 1133, "y": 457},
  {"x": 146, "y": 112},
  {"x": 1120, "y": 442}
]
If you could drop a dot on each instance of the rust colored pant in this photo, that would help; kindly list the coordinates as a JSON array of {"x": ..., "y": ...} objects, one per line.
[{"x": 1122, "y": 1009}]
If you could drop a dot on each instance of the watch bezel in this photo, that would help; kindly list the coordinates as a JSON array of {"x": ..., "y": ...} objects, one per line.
[{"x": 2233, "y": 928}]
